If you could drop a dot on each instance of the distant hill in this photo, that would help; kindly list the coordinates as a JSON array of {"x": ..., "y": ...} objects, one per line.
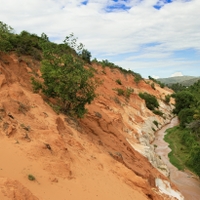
[{"x": 183, "y": 80}]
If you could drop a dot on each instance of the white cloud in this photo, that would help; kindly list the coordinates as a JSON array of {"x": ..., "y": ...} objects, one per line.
[
  {"x": 154, "y": 76},
  {"x": 176, "y": 74},
  {"x": 143, "y": 31}
]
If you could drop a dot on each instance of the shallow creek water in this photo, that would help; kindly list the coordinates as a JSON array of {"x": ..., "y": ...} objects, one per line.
[{"x": 185, "y": 181}]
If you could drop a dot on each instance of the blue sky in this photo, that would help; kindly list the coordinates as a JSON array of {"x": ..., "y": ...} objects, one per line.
[{"x": 160, "y": 38}]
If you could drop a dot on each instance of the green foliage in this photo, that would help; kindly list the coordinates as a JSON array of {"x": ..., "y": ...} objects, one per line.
[
  {"x": 118, "y": 81},
  {"x": 31, "y": 177},
  {"x": 24, "y": 43},
  {"x": 150, "y": 100},
  {"x": 5, "y": 34},
  {"x": 177, "y": 87},
  {"x": 167, "y": 98},
  {"x": 162, "y": 85},
  {"x": 4, "y": 28},
  {"x": 194, "y": 126},
  {"x": 178, "y": 154},
  {"x": 120, "y": 92},
  {"x": 185, "y": 149},
  {"x": 106, "y": 63},
  {"x": 137, "y": 77},
  {"x": 185, "y": 116},
  {"x": 86, "y": 55},
  {"x": 36, "y": 85},
  {"x": 127, "y": 92},
  {"x": 156, "y": 123},
  {"x": 194, "y": 159},
  {"x": 158, "y": 112},
  {"x": 184, "y": 99},
  {"x": 66, "y": 78},
  {"x": 187, "y": 108},
  {"x": 153, "y": 86}
]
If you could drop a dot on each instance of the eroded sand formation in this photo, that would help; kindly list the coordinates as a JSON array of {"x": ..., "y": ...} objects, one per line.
[{"x": 106, "y": 155}]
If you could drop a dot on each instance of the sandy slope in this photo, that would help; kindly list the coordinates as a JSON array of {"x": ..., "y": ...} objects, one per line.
[{"x": 72, "y": 159}]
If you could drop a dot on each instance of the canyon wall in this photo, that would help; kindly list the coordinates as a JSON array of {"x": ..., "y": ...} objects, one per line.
[{"x": 106, "y": 155}]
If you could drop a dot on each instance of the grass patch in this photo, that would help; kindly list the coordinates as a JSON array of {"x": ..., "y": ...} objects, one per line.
[{"x": 179, "y": 152}]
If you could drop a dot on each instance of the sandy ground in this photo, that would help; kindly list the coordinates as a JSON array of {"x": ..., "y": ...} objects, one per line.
[
  {"x": 84, "y": 159},
  {"x": 89, "y": 180}
]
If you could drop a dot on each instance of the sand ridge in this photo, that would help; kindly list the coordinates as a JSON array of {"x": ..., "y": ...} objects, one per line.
[{"x": 72, "y": 159}]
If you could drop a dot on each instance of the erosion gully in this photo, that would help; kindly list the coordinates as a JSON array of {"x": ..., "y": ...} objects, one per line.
[{"x": 186, "y": 182}]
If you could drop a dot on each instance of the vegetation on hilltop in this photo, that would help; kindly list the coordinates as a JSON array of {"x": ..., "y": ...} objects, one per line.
[
  {"x": 179, "y": 83},
  {"x": 64, "y": 76},
  {"x": 67, "y": 73},
  {"x": 162, "y": 85}
]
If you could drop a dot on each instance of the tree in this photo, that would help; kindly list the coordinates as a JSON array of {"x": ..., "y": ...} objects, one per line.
[
  {"x": 66, "y": 79},
  {"x": 5, "y": 34},
  {"x": 4, "y": 28},
  {"x": 185, "y": 116},
  {"x": 86, "y": 55},
  {"x": 184, "y": 99}
]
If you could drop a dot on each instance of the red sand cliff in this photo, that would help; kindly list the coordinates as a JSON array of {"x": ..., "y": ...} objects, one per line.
[{"x": 72, "y": 159}]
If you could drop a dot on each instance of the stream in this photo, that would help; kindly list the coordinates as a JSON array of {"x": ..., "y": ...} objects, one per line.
[{"x": 187, "y": 184}]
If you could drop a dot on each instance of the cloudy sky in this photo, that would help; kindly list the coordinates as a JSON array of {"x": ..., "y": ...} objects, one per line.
[{"x": 159, "y": 38}]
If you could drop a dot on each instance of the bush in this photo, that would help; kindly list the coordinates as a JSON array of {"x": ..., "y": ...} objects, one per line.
[
  {"x": 118, "y": 81},
  {"x": 186, "y": 116},
  {"x": 128, "y": 92},
  {"x": 150, "y": 100},
  {"x": 156, "y": 123},
  {"x": 137, "y": 77},
  {"x": 167, "y": 98},
  {"x": 158, "y": 112},
  {"x": 86, "y": 55},
  {"x": 153, "y": 86},
  {"x": 120, "y": 91}
]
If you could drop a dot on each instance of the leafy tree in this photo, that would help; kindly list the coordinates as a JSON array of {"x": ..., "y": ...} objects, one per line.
[
  {"x": 5, "y": 34},
  {"x": 185, "y": 116},
  {"x": 66, "y": 79},
  {"x": 177, "y": 87},
  {"x": 86, "y": 55},
  {"x": 184, "y": 99},
  {"x": 4, "y": 28}
]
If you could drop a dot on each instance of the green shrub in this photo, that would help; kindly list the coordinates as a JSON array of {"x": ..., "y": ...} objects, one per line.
[
  {"x": 118, "y": 81},
  {"x": 156, "y": 123},
  {"x": 153, "y": 86},
  {"x": 31, "y": 177},
  {"x": 167, "y": 98},
  {"x": 120, "y": 91},
  {"x": 137, "y": 77},
  {"x": 158, "y": 112},
  {"x": 86, "y": 55},
  {"x": 36, "y": 85},
  {"x": 128, "y": 92},
  {"x": 150, "y": 100}
]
